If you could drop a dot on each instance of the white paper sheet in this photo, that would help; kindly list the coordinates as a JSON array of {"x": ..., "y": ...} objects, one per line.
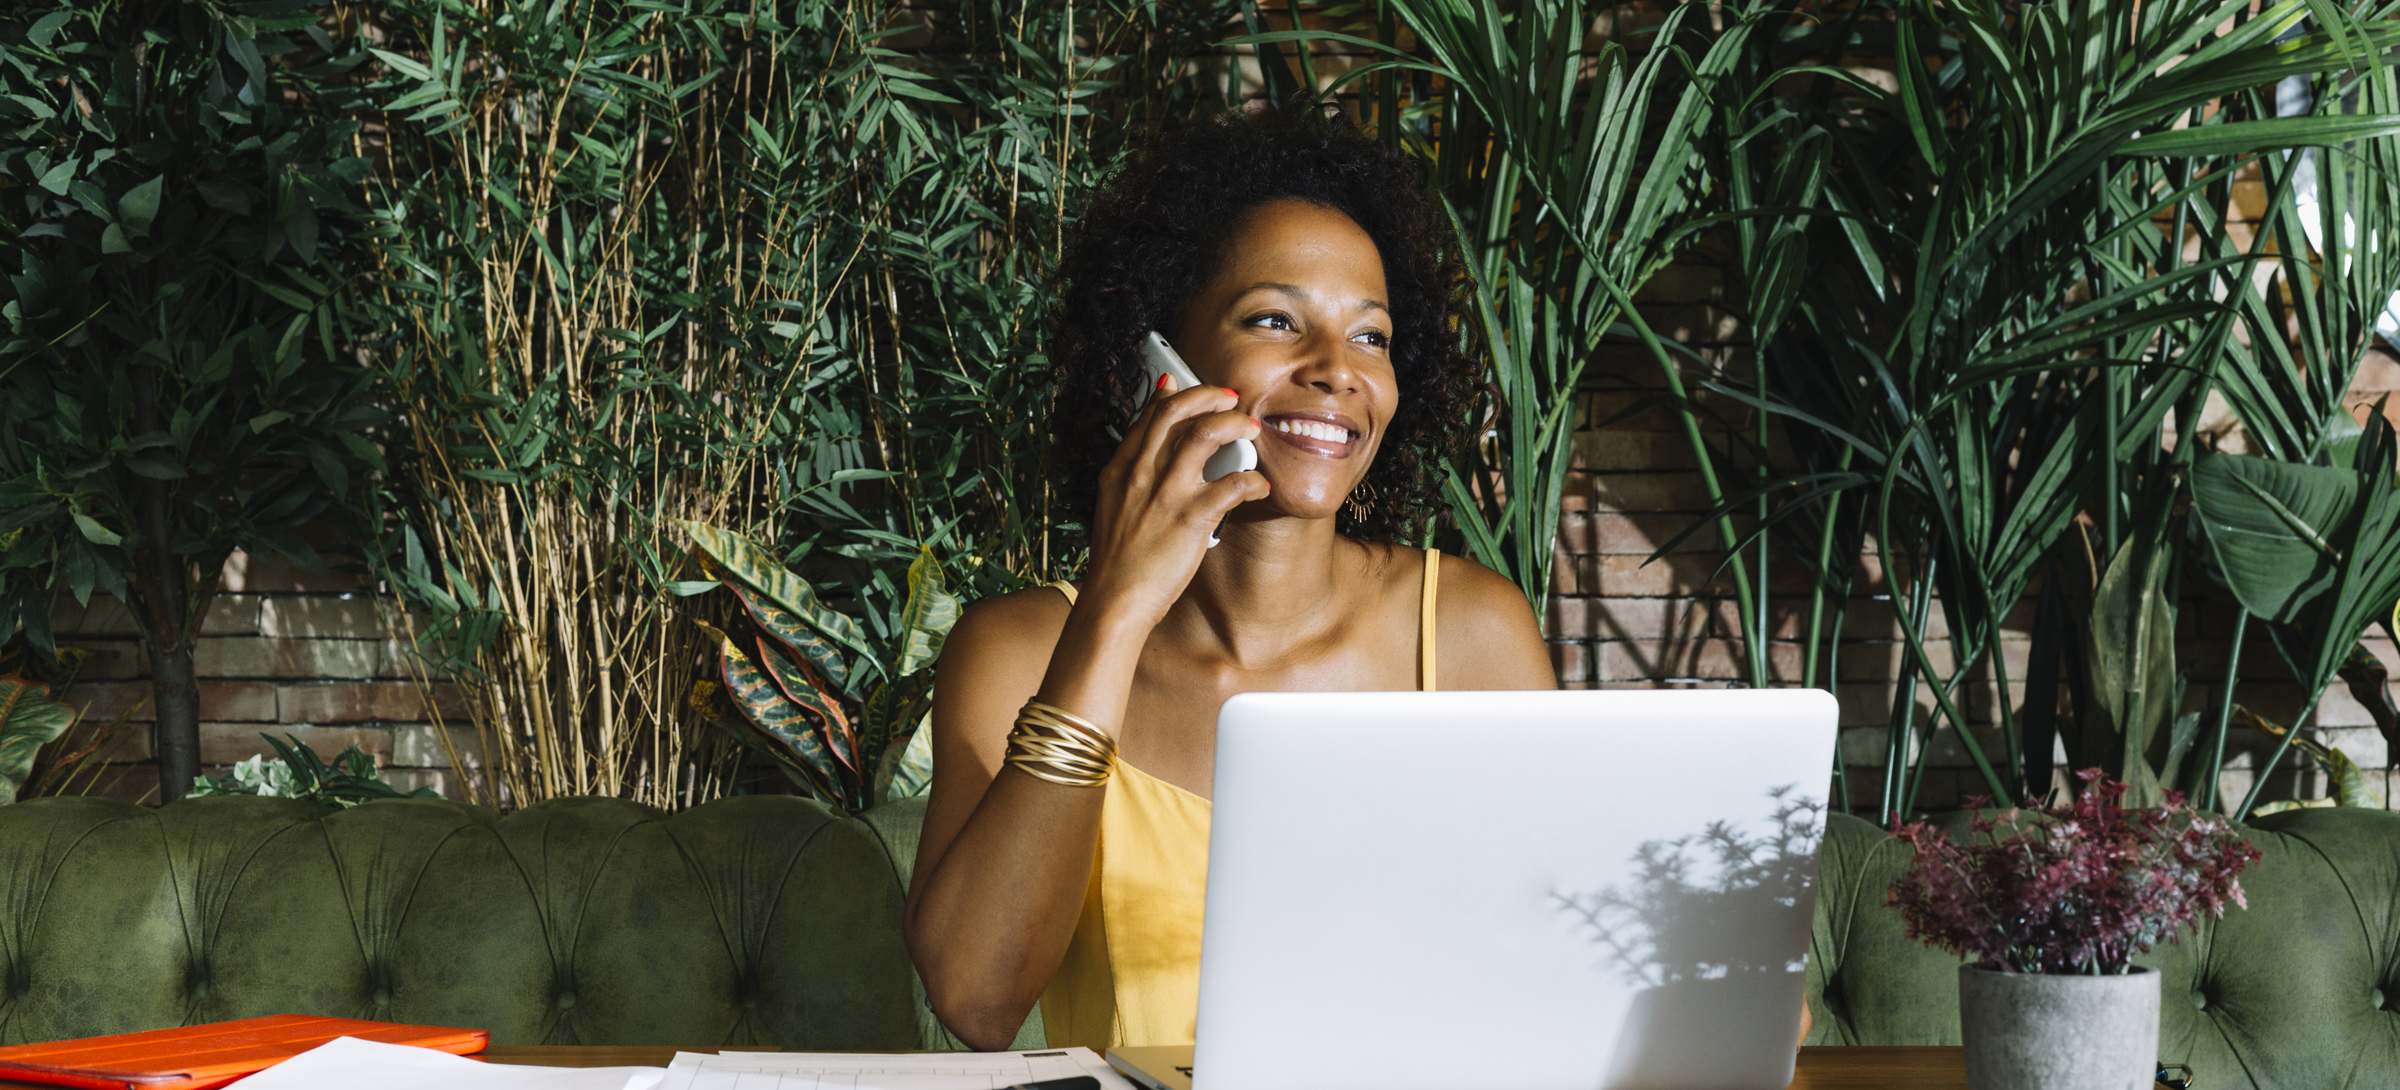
[
  {"x": 876, "y": 1071},
  {"x": 354, "y": 1064}
]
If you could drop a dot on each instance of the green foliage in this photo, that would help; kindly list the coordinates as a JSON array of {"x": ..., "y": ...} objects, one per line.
[
  {"x": 842, "y": 719},
  {"x": 186, "y": 240},
  {"x": 1998, "y": 289},
  {"x": 754, "y": 266},
  {"x": 29, "y": 720},
  {"x": 297, "y": 772},
  {"x": 1573, "y": 172}
]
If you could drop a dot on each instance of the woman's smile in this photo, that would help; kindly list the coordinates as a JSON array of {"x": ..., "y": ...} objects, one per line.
[{"x": 1313, "y": 434}]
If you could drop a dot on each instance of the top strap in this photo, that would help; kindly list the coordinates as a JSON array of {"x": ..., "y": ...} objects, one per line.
[
  {"x": 1065, "y": 588},
  {"x": 1433, "y": 578}
]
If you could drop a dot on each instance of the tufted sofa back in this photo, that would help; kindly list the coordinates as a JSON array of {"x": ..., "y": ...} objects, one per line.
[
  {"x": 760, "y": 920},
  {"x": 2300, "y": 990},
  {"x": 773, "y": 921}
]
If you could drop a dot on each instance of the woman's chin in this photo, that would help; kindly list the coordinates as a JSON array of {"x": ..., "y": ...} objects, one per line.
[{"x": 1279, "y": 506}]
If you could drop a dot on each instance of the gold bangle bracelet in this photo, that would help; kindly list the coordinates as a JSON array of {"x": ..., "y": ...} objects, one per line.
[{"x": 1053, "y": 744}]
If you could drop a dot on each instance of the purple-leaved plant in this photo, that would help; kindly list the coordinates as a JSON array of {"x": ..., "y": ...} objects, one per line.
[{"x": 2084, "y": 892}]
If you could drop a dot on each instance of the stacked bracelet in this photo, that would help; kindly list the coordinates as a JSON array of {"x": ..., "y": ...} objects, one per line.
[{"x": 1054, "y": 744}]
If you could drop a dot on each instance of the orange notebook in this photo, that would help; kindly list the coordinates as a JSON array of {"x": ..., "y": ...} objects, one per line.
[{"x": 194, "y": 1057}]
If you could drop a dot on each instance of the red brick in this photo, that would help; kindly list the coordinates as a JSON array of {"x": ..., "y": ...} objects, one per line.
[
  {"x": 361, "y": 701},
  {"x": 264, "y": 656},
  {"x": 1572, "y": 662},
  {"x": 1618, "y": 449},
  {"x": 340, "y": 616},
  {"x": 1704, "y": 659},
  {"x": 228, "y": 614},
  {"x": 245, "y": 573},
  {"x": 419, "y": 745},
  {"x": 106, "y": 660},
  {"x": 131, "y": 701}
]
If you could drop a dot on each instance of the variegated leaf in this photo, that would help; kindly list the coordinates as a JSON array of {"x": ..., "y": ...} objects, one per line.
[
  {"x": 742, "y": 561},
  {"x": 806, "y": 642},
  {"x": 764, "y": 706},
  {"x": 802, "y": 689}
]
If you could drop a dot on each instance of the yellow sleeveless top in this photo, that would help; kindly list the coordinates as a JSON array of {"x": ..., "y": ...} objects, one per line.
[{"x": 1132, "y": 970}]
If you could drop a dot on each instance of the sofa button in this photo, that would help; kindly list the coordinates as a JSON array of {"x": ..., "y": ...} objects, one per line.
[
  {"x": 2377, "y": 997},
  {"x": 563, "y": 1000},
  {"x": 2199, "y": 1000}
]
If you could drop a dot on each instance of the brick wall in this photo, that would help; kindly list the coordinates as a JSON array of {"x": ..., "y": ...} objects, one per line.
[{"x": 282, "y": 652}]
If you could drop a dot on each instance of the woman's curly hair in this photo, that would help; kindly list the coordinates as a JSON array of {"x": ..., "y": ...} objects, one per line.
[{"x": 1154, "y": 234}]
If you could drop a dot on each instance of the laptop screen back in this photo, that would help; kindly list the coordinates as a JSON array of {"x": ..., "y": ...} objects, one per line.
[{"x": 1522, "y": 889}]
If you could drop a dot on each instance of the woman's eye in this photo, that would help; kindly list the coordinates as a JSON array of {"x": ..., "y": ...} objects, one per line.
[
  {"x": 1380, "y": 339},
  {"x": 1271, "y": 316}
]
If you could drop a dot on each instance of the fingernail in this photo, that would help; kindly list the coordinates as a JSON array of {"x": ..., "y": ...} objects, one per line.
[
  {"x": 1230, "y": 392},
  {"x": 1162, "y": 382}
]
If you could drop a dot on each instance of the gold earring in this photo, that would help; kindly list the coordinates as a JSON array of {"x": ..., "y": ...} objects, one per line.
[{"x": 1360, "y": 501}]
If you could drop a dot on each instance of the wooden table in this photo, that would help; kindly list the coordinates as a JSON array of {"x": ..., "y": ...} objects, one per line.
[{"x": 1820, "y": 1068}]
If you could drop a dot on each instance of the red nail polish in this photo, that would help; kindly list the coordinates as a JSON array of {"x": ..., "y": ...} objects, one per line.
[
  {"x": 1162, "y": 383},
  {"x": 1231, "y": 392}
]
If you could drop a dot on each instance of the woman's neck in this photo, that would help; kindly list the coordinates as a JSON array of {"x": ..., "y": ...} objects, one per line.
[{"x": 1269, "y": 587}]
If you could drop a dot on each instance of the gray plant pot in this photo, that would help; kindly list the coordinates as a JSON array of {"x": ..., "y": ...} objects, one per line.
[{"x": 2031, "y": 1031}]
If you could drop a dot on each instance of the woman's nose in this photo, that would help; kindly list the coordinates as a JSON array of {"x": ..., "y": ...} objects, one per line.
[{"x": 1327, "y": 365}]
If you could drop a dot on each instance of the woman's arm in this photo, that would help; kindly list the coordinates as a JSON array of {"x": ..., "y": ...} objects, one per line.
[{"x": 1005, "y": 856}]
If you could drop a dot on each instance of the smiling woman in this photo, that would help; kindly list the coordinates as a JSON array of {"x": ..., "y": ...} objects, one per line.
[
  {"x": 1156, "y": 249},
  {"x": 1304, "y": 276}
]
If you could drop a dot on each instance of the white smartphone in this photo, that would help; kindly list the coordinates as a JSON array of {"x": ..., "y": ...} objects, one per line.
[{"x": 1159, "y": 358}]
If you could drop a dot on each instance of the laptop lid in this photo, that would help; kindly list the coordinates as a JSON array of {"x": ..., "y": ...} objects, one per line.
[{"x": 1569, "y": 889}]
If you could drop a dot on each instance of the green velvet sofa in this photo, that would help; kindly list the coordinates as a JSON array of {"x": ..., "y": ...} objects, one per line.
[{"x": 773, "y": 921}]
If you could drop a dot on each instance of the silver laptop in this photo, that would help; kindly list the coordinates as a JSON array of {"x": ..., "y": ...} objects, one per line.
[{"x": 1530, "y": 890}]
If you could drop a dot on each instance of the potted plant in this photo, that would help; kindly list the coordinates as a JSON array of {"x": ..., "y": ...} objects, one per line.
[{"x": 2052, "y": 907}]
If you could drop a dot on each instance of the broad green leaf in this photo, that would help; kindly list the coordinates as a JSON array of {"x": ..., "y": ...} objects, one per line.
[
  {"x": 139, "y": 206},
  {"x": 2131, "y": 656},
  {"x": 907, "y": 770},
  {"x": 2274, "y": 527},
  {"x": 29, "y": 720},
  {"x": 926, "y": 618},
  {"x": 56, "y": 178},
  {"x": 94, "y": 532}
]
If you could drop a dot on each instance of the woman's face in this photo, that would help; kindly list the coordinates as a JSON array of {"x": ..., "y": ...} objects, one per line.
[{"x": 1294, "y": 321}]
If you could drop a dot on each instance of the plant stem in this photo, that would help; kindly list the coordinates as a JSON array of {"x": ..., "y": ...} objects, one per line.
[
  {"x": 2283, "y": 745},
  {"x": 2233, "y": 677}
]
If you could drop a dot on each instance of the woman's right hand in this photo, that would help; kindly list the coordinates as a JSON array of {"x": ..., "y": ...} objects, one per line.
[{"x": 1155, "y": 512}]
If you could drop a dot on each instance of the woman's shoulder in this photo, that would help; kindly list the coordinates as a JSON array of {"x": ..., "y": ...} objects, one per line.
[
  {"x": 1017, "y": 624},
  {"x": 1485, "y": 631}
]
